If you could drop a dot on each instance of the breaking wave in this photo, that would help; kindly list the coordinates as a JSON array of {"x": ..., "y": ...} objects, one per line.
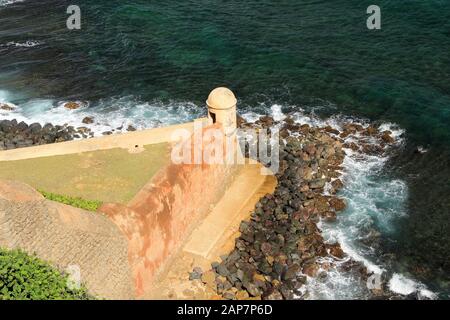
[{"x": 114, "y": 114}]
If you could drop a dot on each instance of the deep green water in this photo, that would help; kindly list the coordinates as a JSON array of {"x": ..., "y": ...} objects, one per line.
[{"x": 289, "y": 52}]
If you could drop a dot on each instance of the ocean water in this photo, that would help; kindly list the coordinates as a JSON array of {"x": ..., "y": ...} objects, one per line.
[{"x": 152, "y": 63}]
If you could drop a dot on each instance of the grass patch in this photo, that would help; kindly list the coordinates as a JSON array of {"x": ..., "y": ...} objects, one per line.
[
  {"x": 89, "y": 205},
  {"x": 112, "y": 175},
  {"x": 26, "y": 277}
]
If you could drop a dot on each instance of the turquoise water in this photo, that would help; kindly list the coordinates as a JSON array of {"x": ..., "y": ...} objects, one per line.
[{"x": 155, "y": 62}]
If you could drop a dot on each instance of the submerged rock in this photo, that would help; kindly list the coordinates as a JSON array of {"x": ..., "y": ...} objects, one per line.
[
  {"x": 88, "y": 120},
  {"x": 337, "y": 204},
  {"x": 6, "y": 107},
  {"x": 386, "y": 137},
  {"x": 131, "y": 128},
  {"x": 72, "y": 105}
]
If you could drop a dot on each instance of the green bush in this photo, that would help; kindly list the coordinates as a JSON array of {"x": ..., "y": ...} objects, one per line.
[
  {"x": 25, "y": 277},
  {"x": 89, "y": 205}
]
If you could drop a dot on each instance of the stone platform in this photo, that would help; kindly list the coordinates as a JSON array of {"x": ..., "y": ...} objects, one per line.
[{"x": 212, "y": 238}]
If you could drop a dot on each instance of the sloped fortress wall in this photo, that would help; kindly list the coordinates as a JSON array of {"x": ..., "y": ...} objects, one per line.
[
  {"x": 66, "y": 236},
  {"x": 159, "y": 219},
  {"x": 121, "y": 251}
]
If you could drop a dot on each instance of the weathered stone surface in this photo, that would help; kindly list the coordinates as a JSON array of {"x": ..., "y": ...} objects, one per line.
[
  {"x": 337, "y": 185},
  {"x": 371, "y": 131},
  {"x": 17, "y": 191},
  {"x": 317, "y": 184},
  {"x": 273, "y": 294},
  {"x": 242, "y": 295},
  {"x": 311, "y": 269},
  {"x": 66, "y": 236},
  {"x": 196, "y": 274},
  {"x": 336, "y": 250},
  {"x": 209, "y": 278}
]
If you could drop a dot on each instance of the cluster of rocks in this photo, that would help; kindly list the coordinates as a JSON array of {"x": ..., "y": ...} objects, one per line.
[
  {"x": 90, "y": 120},
  {"x": 15, "y": 134},
  {"x": 281, "y": 244},
  {"x": 129, "y": 128},
  {"x": 6, "y": 107}
]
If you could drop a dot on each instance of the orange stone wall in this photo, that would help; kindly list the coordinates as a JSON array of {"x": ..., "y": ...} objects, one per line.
[{"x": 159, "y": 219}]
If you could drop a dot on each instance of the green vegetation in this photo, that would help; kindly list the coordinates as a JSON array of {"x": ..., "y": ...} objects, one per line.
[
  {"x": 24, "y": 277},
  {"x": 89, "y": 205}
]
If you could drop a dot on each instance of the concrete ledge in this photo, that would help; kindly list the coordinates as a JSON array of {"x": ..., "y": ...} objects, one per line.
[
  {"x": 132, "y": 141},
  {"x": 227, "y": 214},
  {"x": 213, "y": 237}
]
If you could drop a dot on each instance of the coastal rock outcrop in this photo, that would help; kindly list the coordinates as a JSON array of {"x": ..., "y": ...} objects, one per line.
[
  {"x": 281, "y": 245},
  {"x": 72, "y": 105},
  {"x": 6, "y": 107},
  {"x": 15, "y": 134}
]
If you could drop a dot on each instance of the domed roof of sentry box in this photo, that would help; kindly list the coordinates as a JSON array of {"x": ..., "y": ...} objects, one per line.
[{"x": 221, "y": 98}]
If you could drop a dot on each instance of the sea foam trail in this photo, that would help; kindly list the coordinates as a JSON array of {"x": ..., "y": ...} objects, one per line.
[
  {"x": 26, "y": 44},
  {"x": 4, "y": 3}
]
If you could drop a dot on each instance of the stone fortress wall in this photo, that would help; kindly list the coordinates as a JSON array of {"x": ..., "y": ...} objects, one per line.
[
  {"x": 66, "y": 236},
  {"x": 121, "y": 249}
]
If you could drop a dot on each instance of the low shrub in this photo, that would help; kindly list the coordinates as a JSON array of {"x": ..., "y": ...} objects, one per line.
[
  {"x": 25, "y": 277},
  {"x": 89, "y": 205}
]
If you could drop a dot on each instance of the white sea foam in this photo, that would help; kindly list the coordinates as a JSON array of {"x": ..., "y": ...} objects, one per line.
[
  {"x": 5, "y": 96},
  {"x": 4, "y": 3},
  {"x": 26, "y": 44},
  {"x": 114, "y": 114},
  {"x": 372, "y": 203},
  {"x": 334, "y": 284},
  {"x": 276, "y": 113},
  {"x": 405, "y": 286}
]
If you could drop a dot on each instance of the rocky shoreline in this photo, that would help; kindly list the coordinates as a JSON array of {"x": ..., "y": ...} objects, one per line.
[
  {"x": 281, "y": 245},
  {"x": 15, "y": 134}
]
